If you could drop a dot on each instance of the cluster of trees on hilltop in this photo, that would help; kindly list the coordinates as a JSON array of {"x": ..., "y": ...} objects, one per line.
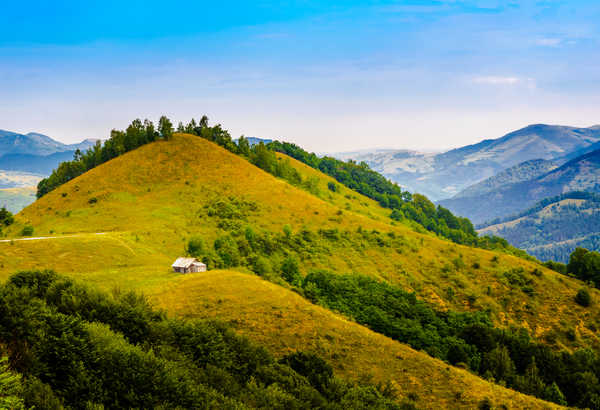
[
  {"x": 68, "y": 345},
  {"x": 137, "y": 134},
  {"x": 505, "y": 356}
]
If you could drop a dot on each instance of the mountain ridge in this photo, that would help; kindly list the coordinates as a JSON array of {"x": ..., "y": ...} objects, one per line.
[
  {"x": 34, "y": 143},
  {"x": 554, "y": 227},
  {"x": 441, "y": 176},
  {"x": 579, "y": 174}
]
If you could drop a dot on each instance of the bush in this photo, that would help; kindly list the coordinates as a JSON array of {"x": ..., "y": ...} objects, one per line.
[
  {"x": 332, "y": 186},
  {"x": 583, "y": 297},
  {"x": 196, "y": 247},
  {"x": 290, "y": 270},
  {"x": 27, "y": 230}
]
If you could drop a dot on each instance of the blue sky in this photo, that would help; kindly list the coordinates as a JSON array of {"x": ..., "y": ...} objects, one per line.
[{"x": 330, "y": 75}]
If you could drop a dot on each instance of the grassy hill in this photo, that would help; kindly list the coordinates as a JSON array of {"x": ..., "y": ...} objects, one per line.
[
  {"x": 153, "y": 200},
  {"x": 158, "y": 195},
  {"x": 555, "y": 227}
]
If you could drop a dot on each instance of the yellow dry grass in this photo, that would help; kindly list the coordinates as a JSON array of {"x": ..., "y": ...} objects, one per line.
[{"x": 285, "y": 322}]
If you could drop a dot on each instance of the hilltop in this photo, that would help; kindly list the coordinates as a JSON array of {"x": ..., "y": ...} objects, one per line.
[
  {"x": 441, "y": 176},
  {"x": 154, "y": 202},
  {"x": 579, "y": 174}
]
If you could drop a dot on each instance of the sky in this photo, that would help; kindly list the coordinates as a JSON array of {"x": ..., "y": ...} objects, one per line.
[{"x": 328, "y": 75}]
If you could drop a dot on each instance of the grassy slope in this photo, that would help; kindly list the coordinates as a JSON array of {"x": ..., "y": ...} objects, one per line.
[
  {"x": 150, "y": 199},
  {"x": 157, "y": 194},
  {"x": 261, "y": 309}
]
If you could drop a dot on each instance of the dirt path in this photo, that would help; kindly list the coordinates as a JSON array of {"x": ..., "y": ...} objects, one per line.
[{"x": 41, "y": 238}]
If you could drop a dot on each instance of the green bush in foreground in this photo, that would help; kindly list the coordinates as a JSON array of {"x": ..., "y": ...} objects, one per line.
[{"x": 73, "y": 346}]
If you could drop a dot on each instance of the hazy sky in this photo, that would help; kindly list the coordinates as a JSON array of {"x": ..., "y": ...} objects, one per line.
[{"x": 329, "y": 75}]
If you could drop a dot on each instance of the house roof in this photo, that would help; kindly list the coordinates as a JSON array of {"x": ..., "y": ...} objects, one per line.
[{"x": 183, "y": 262}]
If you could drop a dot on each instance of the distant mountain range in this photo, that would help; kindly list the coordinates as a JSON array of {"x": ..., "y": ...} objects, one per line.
[
  {"x": 491, "y": 199},
  {"x": 553, "y": 228},
  {"x": 33, "y": 153},
  {"x": 443, "y": 175},
  {"x": 36, "y": 144},
  {"x": 36, "y": 164}
]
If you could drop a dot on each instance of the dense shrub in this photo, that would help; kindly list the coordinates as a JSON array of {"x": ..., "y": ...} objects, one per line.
[
  {"x": 583, "y": 297},
  {"x": 83, "y": 349},
  {"x": 585, "y": 265}
]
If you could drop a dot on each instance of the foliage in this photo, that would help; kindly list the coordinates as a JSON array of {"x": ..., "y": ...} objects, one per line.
[
  {"x": 583, "y": 297},
  {"x": 11, "y": 388},
  {"x": 27, "y": 230},
  {"x": 6, "y": 218},
  {"x": 509, "y": 357},
  {"x": 119, "y": 142},
  {"x": 87, "y": 349},
  {"x": 585, "y": 265},
  {"x": 556, "y": 266}
]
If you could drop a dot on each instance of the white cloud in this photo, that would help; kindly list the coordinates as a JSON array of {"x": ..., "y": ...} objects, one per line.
[
  {"x": 548, "y": 42},
  {"x": 496, "y": 80}
]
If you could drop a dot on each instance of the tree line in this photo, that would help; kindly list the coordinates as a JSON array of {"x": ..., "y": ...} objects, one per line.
[
  {"x": 506, "y": 356},
  {"x": 138, "y": 133}
]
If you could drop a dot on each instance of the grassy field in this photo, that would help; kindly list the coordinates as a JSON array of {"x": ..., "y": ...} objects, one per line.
[{"x": 152, "y": 200}]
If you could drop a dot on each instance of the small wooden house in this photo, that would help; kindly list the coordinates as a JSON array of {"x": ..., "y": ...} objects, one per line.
[{"x": 188, "y": 265}]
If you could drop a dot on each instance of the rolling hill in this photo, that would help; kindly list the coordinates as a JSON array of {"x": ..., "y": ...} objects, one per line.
[
  {"x": 441, "y": 176},
  {"x": 579, "y": 174},
  {"x": 555, "y": 227},
  {"x": 121, "y": 224}
]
